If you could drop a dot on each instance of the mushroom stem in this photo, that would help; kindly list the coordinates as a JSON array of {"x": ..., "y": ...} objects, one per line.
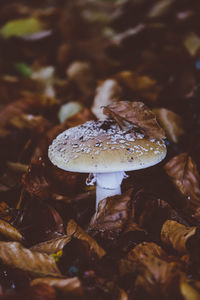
[{"x": 108, "y": 184}]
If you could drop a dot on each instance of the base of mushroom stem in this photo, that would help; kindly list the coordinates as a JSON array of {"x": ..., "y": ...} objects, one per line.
[
  {"x": 108, "y": 184},
  {"x": 102, "y": 193}
]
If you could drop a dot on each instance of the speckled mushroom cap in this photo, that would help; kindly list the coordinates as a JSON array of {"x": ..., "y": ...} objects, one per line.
[{"x": 101, "y": 146}]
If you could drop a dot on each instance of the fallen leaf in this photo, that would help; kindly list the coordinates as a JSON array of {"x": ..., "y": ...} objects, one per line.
[
  {"x": 41, "y": 222},
  {"x": 41, "y": 291},
  {"x": 51, "y": 246},
  {"x": 67, "y": 286},
  {"x": 111, "y": 216},
  {"x": 177, "y": 235},
  {"x": 171, "y": 122},
  {"x": 15, "y": 255},
  {"x": 138, "y": 117},
  {"x": 192, "y": 43},
  {"x": 73, "y": 230},
  {"x": 131, "y": 236},
  {"x": 151, "y": 212},
  {"x": 156, "y": 276},
  {"x": 160, "y": 8},
  {"x": 4, "y": 211},
  {"x": 184, "y": 174},
  {"x": 36, "y": 181},
  {"x": 30, "y": 121},
  {"x": 144, "y": 86},
  {"x": 20, "y": 27},
  {"x": 188, "y": 292},
  {"x": 10, "y": 232},
  {"x": 103, "y": 289},
  {"x": 29, "y": 103}
]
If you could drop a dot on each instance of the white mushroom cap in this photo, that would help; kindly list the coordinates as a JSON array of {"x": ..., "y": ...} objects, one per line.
[{"x": 101, "y": 147}]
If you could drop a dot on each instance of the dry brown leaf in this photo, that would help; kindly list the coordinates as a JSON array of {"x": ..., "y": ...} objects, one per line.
[
  {"x": 110, "y": 289},
  {"x": 143, "y": 85},
  {"x": 36, "y": 182},
  {"x": 15, "y": 255},
  {"x": 73, "y": 230},
  {"x": 184, "y": 174},
  {"x": 145, "y": 250},
  {"x": 177, "y": 235},
  {"x": 10, "y": 232},
  {"x": 155, "y": 275},
  {"x": 29, "y": 121},
  {"x": 41, "y": 291},
  {"x": 136, "y": 116},
  {"x": 51, "y": 246},
  {"x": 171, "y": 123},
  {"x": 131, "y": 236},
  {"x": 68, "y": 286},
  {"x": 111, "y": 216},
  {"x": 4, "y": 211},
  {"x": 29, "y": 103}
]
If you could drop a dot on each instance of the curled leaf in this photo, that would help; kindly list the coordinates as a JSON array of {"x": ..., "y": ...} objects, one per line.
[
  {"x": 111, "y": 216},
  {"x": 177, "y": 235},
  {"x": 10, "y": 232},
  {"x": 15, "y": 255},
  {"x": 184, "y": 174},
  {"x": 171, "y": 123},
  {"x": 73, "y": 230},
  {"x": 135, "y": 115},
  {"x": 51, "y": 246},
  {"x": 156, "y": 276},
  {"x": 68, "y": 286}
]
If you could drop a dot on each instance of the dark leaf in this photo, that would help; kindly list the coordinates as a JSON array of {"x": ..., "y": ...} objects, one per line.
[
  {"x": 73, "y": 230},
  {"x": 184, "y": 174},
  {"x": 111, "y": 216},
  {"x": 138, "y": 117}
]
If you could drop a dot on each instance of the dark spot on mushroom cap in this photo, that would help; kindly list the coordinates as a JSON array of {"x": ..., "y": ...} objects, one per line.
[{"x": 106, "y": 125}]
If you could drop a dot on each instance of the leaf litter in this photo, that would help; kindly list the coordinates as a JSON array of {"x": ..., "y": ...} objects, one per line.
[{"x": 125, "y": 60}]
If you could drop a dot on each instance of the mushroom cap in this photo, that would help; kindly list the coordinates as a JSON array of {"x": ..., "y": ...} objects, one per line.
[{"x": 101, "y": 147}]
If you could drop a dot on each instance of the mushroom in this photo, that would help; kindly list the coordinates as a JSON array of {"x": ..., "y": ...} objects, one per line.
[{"x": 107, "y": 151}]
